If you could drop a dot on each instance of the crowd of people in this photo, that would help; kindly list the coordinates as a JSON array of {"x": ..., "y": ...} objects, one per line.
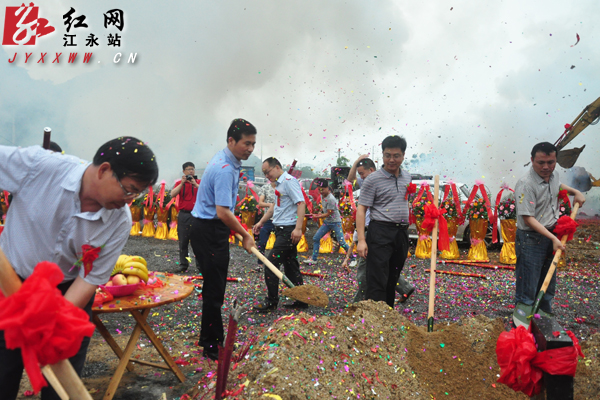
[{"x": 60, "y": 204}]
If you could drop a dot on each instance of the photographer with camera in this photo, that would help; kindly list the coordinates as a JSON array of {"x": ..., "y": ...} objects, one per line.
[{"x": 186, "y": 189}]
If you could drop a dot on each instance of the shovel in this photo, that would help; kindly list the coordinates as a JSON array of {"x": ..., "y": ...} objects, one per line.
[
  {"x": 436, "y": 189},
  {"x": 305, "y": 293},
  {"x": 538, "y": 300},
  {"x": 62, "y": 375}
]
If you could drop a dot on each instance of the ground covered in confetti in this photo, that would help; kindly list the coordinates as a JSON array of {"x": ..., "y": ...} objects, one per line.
[{"x": 353, "y": 351}]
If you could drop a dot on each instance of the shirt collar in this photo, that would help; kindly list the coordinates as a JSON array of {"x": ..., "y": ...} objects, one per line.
[
  {"x": 231, "y": 158},
  {"x": 72, "y": 183},
  {"x": 389, "y": 174},
  {"x": 282, "y": 178},
  {"x": 538, "y": 179}
]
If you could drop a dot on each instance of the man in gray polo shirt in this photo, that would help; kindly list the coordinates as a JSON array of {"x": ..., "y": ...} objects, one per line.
[
  {"x": 288, "y": 216},
  {"x": 536, "y": 196},
  {"x": 386, "y": 246}
]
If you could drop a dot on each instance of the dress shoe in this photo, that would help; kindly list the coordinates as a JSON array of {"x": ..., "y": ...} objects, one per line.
[
  {"x": 405, "y": 296},
  {"x": 296, "y": 304},
  {"x": 182, "y": 269},
  {"x": 210, "y": 352},
  {"x": 266, "y": 305}
]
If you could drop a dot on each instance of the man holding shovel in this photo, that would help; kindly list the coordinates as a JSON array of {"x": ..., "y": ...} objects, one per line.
[
  {"x": 536, "y": 197},
  {"x": 212, "y": 223},
  {"x": 288, "y": 216},
  {"x": 386, "y": 246},
  {"x": 60, "y": 206}
]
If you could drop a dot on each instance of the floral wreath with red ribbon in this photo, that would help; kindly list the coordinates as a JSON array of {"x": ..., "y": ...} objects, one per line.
[
  {"x": 496, "y": 210},
  {"x": 564, "y": 206}
]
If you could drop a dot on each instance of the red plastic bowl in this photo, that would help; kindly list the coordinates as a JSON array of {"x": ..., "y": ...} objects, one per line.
[{"x": 120, "y": 291}]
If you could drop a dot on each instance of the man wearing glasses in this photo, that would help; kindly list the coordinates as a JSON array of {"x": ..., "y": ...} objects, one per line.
[
  {"x": 386, "y": 245},
  {"x": 187, "y": 190},
  {"x": 60, "y": 204}
]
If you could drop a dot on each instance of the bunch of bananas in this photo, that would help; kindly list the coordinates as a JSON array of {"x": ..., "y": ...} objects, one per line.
[{"x": 131, "y": 265}]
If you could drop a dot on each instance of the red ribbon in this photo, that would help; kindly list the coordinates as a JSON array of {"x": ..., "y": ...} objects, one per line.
[
  {"x": 481, "y": 188},
  {"x": 90, "y": 254},
  {"x": 42, "y": 323},
  {"x": 522, "y": 366},
  {"x": 461, "y": 218},
  {"x": 149, "y": 203},
  {"x": 411, "y": 188},
  {"x": 161, "y": 194},
  {"x": 232, "y": 232},
  {"x": 307, "y": 201},
  {"x": 494, "y": 217},
  {"x": 278, "y": 197},
  {"x": 565, "y": 226},
  {"x": 6, "y": 194},
  {"x": 424, "y": 189},
  {"x": 432, "y": 213}
]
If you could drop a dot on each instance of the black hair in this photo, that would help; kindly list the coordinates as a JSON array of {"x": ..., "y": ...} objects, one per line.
[
  {"x": 188, "y": 164},
  {"x": 545, "y": 147},
  {"x": 322, "y": 183},
  {"x": 367, "y": 163},
  {"x": 54, "y": 147},
  {"x": 273, "y": 162},
  {"x": 394, "y": 142},
  {"x": 129, "y": 157},
  {"x": 238, "y": 128}
]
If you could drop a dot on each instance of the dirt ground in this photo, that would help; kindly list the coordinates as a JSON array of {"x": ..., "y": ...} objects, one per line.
[{"x": 352, "y": 351}]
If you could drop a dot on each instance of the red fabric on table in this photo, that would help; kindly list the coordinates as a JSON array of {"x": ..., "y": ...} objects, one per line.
[{"x": 39, "y": 320}]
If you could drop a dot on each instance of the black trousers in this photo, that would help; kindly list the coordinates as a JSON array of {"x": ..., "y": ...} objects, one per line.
[
  {"x": 11, "y": 362},
  {"x": 387, "y": 249},
  {"x": 284, "y": 252},
  {"x": 210, "y": 242},
  {"x": 184, "y": 230}
]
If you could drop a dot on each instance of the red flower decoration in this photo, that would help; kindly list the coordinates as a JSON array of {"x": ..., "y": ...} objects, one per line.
[
  {"x": 411, "y": 188},
  {"x": 278, "y": 197},
  {"x": 88, "y": 256}
]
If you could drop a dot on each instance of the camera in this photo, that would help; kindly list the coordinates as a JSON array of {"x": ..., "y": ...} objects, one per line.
[{"x": 189, "y": 177}]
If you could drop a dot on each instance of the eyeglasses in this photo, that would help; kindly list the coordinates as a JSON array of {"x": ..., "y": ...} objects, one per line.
[
  {"x": 125, "y": 192},
  {"x": 387, "y": 156},
  {"x": 267, "y": 172}
]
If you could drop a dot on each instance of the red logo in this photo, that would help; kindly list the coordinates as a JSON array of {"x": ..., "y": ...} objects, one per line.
[{"x": 22, "y": 25}]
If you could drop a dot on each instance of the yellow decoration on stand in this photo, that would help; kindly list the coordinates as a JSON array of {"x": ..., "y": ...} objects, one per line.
[
  {"x": 248, "y": 218},
  {"x": 423, "y": 249},
  {"x": 302, "y": 246},
  {"x": 452, "y": 253},
  {"x": 162, "y": 227},
  {"x": 271, "y": 241},
  {"x": 326, "y": 244},
  {"x": 136, "y": 217},
  {"x": 478, "y": 250},
  {"x": 348, "y": 225},
  {"x": 173, "y": 235},
  {"x": 509, "y": 234},
  {"x": 148, "y": 230}
]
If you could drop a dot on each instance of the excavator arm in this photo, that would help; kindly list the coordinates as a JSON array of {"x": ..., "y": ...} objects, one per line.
[{"x": 567, "y": 158}]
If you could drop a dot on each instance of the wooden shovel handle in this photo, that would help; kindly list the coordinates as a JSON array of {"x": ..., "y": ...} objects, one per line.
[
  {"x": 433, "y": 259},
  {"x": 264, "y": 259},
  {"x": 62, "y": 375},
  {"x": 558, "y": 253}
]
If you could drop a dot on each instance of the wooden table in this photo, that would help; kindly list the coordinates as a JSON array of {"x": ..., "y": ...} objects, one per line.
[{"x": 139, "y": 305}]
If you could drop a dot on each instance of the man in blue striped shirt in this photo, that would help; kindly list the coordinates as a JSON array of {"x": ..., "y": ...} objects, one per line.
[
  {"x": 214, "y": 219},
  {"x": 61, "y": 203}
]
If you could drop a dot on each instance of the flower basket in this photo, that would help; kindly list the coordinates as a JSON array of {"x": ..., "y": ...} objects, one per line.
[
  {"x": 162, "y": 226},
  {"x": 452, "y": 253},
  {"x": 423, "y": 249},
  {"x": 173, "y": 235},
  {"x": 509, "y": 234},
  {"x": 478, "y": 227},
  {"x": 136, "y": 217}
]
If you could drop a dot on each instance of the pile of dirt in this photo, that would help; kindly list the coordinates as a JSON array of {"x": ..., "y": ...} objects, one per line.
[{"x": 371, "y": 351}]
